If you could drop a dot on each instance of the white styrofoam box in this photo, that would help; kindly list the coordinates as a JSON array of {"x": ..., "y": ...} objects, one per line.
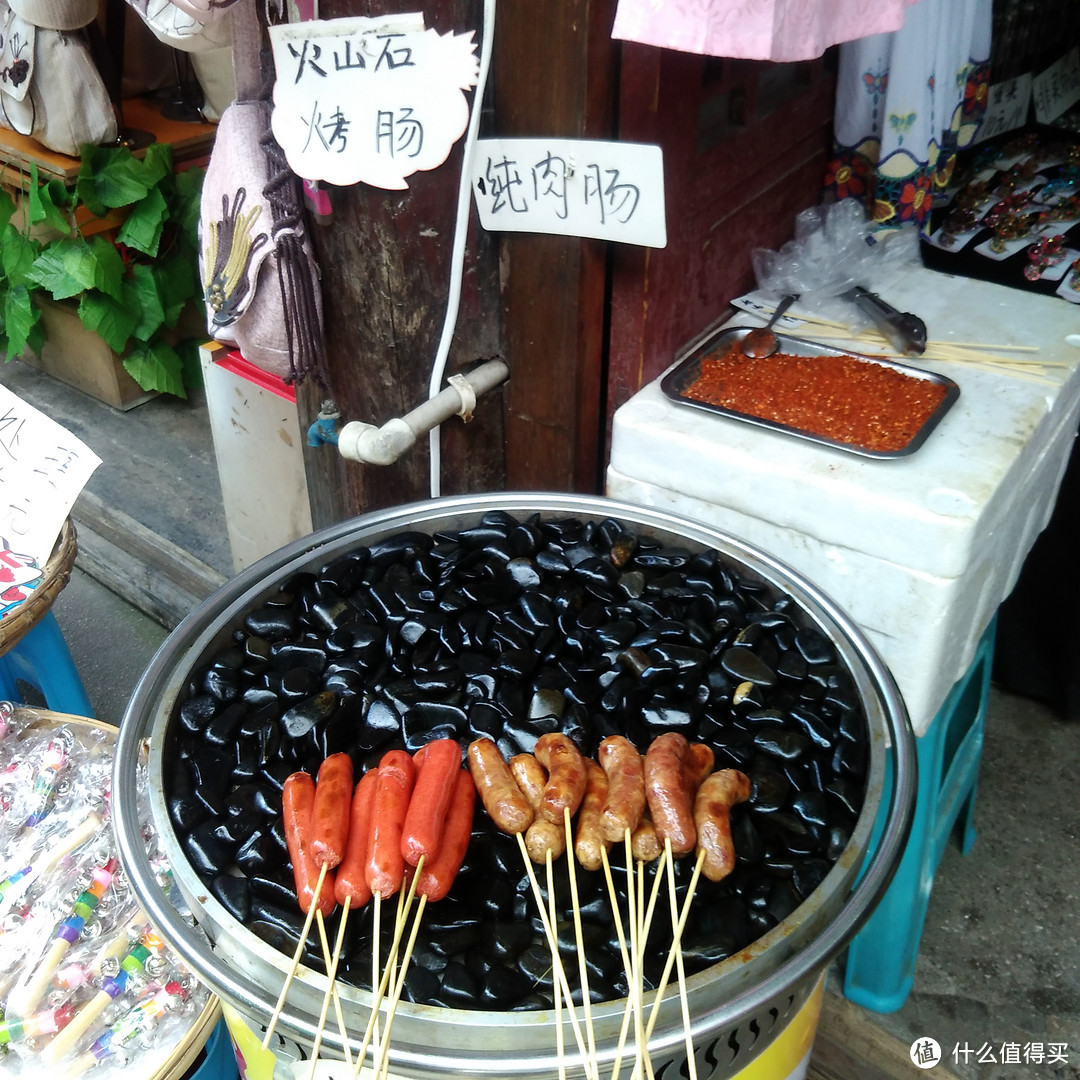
[
  {"x": 259, "y": 450},
  {"x": 919, "y": 550}
]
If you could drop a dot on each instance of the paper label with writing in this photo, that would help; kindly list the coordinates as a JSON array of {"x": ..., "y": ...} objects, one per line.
[
  {"x": 572, "y": 187},
  {"x": 1006, "y": 107},
  {"x": 43, "y": 467},
  {"x": 369, "y": 100},
  {"x": 1058, "y": 87}
]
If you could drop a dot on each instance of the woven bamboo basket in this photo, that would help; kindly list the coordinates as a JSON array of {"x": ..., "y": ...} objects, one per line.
[
  {"x": 57, "y": 573},
  {"x": 194, "y": 1039}
]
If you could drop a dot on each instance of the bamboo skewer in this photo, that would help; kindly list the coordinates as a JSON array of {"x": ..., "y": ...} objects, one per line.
[
  {"x": 579, "y": 938},
  {"x": 279, "y": 1007},
  {"x": 331, "y": 974},
  {"x": 628, "y": 959},
  {"x": 560, "y": 973},
  {"x": 560, "y": 1040},
  {"x": 676, "y": 946}
]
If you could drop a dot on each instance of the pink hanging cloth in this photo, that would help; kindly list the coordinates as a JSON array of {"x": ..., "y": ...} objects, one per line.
[{"x": 781, "y": 30}]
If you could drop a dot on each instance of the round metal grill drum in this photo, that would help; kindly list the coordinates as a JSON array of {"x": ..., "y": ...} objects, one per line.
[{"x": 737, "y": 1006}]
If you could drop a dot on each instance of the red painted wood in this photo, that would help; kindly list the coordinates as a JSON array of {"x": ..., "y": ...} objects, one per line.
[{"x": 723, "y": 200}]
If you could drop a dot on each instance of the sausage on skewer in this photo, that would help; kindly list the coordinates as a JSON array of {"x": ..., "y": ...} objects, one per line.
[
  {"x": 566, "y": 780},
  {"x": 386, "y": 866},
  {"x": 542, "y": 838},
  {"x": 712, "y": 815},
  {"x": 670, "y": 805},
  {"x": 495, "y": 785},
  {"x": 297, "y": 806},
  {"x": 350, "y": 881},
  {"x": 625, "y": 771},
  {"x": 439, "y": 872},
  {"x": 590, "y": 845},
  {"x": 430, "y": 800},
  {"x": 331, "y": 812}
]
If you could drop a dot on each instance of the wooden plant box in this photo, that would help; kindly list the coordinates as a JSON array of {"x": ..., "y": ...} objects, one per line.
[{"x": 76, "y": 356}]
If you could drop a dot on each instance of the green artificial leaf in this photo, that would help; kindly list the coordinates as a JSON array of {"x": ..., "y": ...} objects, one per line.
[
  {"x": 158, "y": 163},
  {"x": 111, "y": 176},
  {"x": 48, "y": 204},
  {"x": 156, "y": 367},
  {"x": 36, "y": 340},
  {"x": 20, "y": 317},
  {"x": 145, "y": 223},
  {"x": 108, "y": 267},
  {"x": 7, "y": 207},
  {"x": 111, "y": 320},
  {"x": 141, "y": 297},
  {"x": 71, "y": 266},
  {"x": 17, "y": 254},
  {"x": 64, "y": 268},
  {"x": 177, "y": 283},
  {"x": 188, "y": 351},
  {"x": 188, "y": 204}
]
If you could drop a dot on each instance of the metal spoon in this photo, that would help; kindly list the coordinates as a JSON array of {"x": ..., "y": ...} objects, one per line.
[{"x": 761, "y": 342}]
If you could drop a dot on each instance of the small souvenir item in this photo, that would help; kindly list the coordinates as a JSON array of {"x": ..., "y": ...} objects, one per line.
[{"x": 1045, "y": 252}]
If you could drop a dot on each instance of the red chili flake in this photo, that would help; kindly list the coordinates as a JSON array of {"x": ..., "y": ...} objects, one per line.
[{"x": 857, "y": 402}]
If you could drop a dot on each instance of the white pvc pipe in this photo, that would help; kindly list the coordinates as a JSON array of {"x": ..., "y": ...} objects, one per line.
[
  {"x": 384, "y": 445},
  {"x": 461, "y": 230}
]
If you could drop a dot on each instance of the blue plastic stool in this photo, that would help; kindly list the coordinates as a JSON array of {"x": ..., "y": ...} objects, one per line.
[
  {"x": 880, "y": 967},
  {"x": 219, "y": 1062},
  {"x": 42, "y": 659}
]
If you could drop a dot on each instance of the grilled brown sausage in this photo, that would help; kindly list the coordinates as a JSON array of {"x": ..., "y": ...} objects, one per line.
[
  {"x": 495, "y": 785},
  {"x": 670, "y": 804},
  {"x": 712, "y": 814},
  {"x": 565, "y": 786},
  {"x": 589, "y": 843},
  {"x": 625, "y": 803}
]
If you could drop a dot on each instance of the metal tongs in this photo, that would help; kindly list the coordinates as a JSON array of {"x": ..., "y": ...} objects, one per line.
[{"x": 905, "y": 331}]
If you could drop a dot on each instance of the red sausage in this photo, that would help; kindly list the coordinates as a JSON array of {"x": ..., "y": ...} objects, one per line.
[
  {"x": 350, "y": 878},
  {"x": 385, "y": 866},
  {"x": 438, "y": 874},
  {"x": 625, "y": 802},
  {"x": 430, "y": 801},
  {"x": 670, "y": 804},
  {"x": 297, "y": 804},
  {"x": 712, "y": 814},
  {"x": 330, "y": 818},
  {"x": 498, "y": 791},
  {"x": 567, "y": 776}
]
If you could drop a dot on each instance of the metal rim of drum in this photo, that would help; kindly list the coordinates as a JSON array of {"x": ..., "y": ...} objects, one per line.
[{"x": 754, "y": 992}]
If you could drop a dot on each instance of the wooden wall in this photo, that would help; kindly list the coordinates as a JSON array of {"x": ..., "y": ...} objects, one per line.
[{"x": 581, "y": 324}]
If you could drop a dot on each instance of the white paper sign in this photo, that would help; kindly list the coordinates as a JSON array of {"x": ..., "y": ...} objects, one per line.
[
  {"x": 1058, "y": 87},
  {"x": 1006, "y": 107},
  {"x": 369, "y": 100},
  {"x": 572, "y": 187},
  {"x": 43, "y": 467}
]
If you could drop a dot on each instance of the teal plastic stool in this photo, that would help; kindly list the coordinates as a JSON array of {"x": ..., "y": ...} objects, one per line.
[
  {"x": 219, "y": 1061},
  {"x": 880, "y": 967},
  {"x": 42, "y": 659}
]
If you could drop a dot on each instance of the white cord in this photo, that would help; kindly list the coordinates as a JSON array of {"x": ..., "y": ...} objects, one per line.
[{"x": 461, "y": 230}]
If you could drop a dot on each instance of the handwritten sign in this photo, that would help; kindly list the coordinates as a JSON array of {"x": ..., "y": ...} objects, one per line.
[
  {"x": 369, "y": 100},
  {"x": 572, "y": 187},
  {"x": 1006, "y": 107},
  {"x": 1057, "y": 88},
  {"x": 43, "y": 467}
]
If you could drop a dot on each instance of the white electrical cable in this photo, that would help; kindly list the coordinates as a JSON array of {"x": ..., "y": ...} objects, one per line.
[{"x": 461, "y": 230}]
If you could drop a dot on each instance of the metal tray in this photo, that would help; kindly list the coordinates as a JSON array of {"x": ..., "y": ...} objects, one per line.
[{"x": 675, "y": 383}]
